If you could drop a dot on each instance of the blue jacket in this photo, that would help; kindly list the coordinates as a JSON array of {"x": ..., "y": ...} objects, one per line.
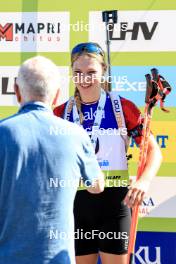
[{"x": 42, "y": 158}]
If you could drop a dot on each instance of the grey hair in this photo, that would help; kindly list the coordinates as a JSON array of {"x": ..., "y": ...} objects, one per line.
[{"x": 38, "y": 79}]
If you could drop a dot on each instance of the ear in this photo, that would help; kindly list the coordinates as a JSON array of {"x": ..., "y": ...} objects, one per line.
[
  {"x": 56, "y": 98},
  {"x": 17, "y": 92}
]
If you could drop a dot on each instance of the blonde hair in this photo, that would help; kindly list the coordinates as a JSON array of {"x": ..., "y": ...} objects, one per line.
[{"x": 105, "y": 86}]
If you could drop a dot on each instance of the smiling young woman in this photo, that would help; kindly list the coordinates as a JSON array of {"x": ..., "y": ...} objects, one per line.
[{"x": 96, "y": 109}]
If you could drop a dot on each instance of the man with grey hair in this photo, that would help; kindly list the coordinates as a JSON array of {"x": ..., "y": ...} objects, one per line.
[{"x": 40, "y": 171}]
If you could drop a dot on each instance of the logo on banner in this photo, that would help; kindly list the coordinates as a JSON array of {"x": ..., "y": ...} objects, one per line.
[
  {"x": 147, "y": 205},
  {"x": 124, "y": 84},
  {"x": 143, "y": 255},
  {"x": 130, "y": 82},
  {"x": 31, "y": 31},
  {"x": 139, "y": 30},
  {"x": 155, "y": 247},
  {"x": 8, "y": 31},
  {"x": 7, "y": 84},
  {"x": 134, "y": 30},
  {"x": 8, "y": 75}
]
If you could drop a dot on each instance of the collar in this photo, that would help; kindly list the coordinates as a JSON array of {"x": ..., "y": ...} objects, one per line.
[{"x": 34, "y": 105}]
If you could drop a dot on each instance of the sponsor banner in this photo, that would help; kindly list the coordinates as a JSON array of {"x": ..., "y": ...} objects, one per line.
[
  {"x": 159, "y": 202},
  {"x": 155, "y": 248},
  {"x": 136, "y": 30},
  {"x": 34, "y": 31},
  {"x": 164, "y": 132},
  {"x": 7, "y": 78},
  {"x": 130, "y": 82}
]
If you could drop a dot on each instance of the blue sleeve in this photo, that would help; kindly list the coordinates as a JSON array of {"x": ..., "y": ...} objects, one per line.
[
  {"x": 2, "y": 154},
  {"x": 89, "y": 166}
]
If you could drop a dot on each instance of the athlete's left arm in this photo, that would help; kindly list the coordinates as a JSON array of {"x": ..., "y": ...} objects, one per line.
[
  {"x": 134, "y": 122},
  {"x": 138, "y": 189}
]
